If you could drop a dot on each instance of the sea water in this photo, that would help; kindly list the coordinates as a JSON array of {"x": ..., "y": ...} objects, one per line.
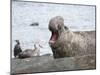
[{"x": 76, "y": 17}]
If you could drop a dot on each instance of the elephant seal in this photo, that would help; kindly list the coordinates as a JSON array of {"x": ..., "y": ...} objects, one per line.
[
  {"x": 17, "y": 48},
  {"x": 66, "y": 43},
  {"x": 29, "y": 53}
]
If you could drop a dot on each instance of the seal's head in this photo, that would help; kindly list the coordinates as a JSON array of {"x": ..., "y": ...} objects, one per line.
[{"x": 56, "y": 26}]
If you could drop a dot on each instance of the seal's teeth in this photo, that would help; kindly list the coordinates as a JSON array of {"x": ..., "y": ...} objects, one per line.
[{"x": 51, "y": 42}]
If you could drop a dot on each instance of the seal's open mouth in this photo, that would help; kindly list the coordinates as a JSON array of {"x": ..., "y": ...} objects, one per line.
[{"x": 54, "y": 37}]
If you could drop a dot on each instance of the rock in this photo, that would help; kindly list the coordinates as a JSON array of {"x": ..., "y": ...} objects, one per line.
[{"x": 35, "y": 24}]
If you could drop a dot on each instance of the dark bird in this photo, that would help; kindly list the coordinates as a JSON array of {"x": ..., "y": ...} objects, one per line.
[{"x": 17, "y": 48}]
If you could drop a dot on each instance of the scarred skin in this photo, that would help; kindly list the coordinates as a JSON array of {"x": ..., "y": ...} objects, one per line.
[{"x": 66, "y": 43}]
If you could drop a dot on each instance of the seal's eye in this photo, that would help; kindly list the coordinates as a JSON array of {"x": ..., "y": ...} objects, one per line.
[{"x": 59, "y": 27}]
